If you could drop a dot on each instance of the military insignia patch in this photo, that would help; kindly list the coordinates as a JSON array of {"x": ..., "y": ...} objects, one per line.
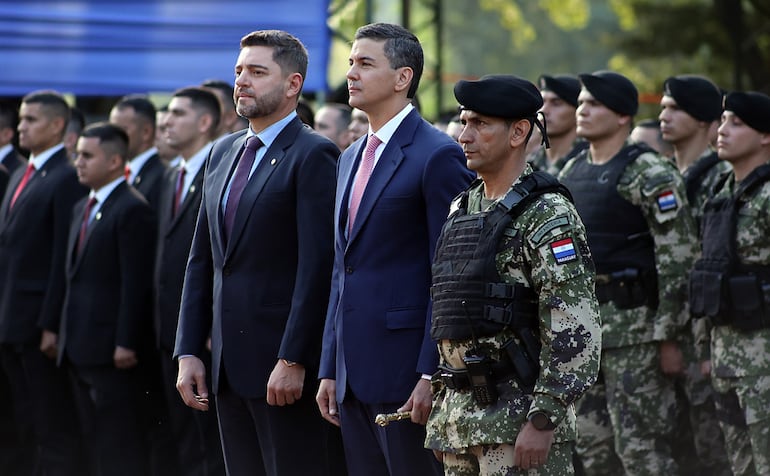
[
  {"x": 563, "y": 250},
  {"x": 667, "y": 201}
]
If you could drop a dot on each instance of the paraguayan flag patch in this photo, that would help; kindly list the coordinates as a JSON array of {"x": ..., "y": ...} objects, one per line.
[
  {"x": 563, "y": 250},
  {"x": 667, "y": 201}
]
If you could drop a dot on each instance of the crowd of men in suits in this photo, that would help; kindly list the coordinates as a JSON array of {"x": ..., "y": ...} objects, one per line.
[{"x": 182, "y": 293}]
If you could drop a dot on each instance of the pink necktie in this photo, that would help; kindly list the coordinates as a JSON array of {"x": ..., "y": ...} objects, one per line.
[
  {"x": 362, "y": 177},
  {"x": 24, "y": 179}
]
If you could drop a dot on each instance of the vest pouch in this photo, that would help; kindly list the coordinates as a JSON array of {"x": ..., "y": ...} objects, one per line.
[
  {"x": 746, "y": 302},
  {"x": 626, "y": 289},
  {"x": 706, "y": 293}
]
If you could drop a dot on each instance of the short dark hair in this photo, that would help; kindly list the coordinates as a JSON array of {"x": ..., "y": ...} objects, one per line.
[
  {"x": 343, "y": 119},
  {"x": 53, "y": 103},
  {"x": 305, "y": 113},
  {"x": 111, "y": 137},
  {"x": 9, "y": 115},
  {"x": 288, "y": 51},
  {"x": 225, "y": 88},
  {"x": 77, "y": 121},
  {"x": 402, "y": 48},
  {"x": 203, "y": 101},
  {"x": 142, "y": 106}
]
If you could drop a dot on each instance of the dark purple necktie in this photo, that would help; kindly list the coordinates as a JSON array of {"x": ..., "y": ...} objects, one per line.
[
  {"x": 85, "y": 223},
  {"x": 239, "y": 181},
  {"x": 178, "y": 191}
]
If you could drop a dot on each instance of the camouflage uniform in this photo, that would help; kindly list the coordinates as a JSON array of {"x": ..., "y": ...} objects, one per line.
[
  {"x": 570, "y": 337},
  {"x": 539, "y": 160},
  {"x": 640, "y": 398},
  {"x": 741, "y": 359},
  {"x": 698, "y": 421}
]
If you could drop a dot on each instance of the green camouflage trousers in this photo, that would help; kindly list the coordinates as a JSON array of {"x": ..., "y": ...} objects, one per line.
[
  {"x": 743, "y": 408},
  {"x": 497, "y": 460},
  {"x": 699, "y": 447},
  {"x": 595, "y": 446}
]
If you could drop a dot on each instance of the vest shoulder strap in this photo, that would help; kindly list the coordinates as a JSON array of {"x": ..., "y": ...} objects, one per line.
[
  {"x": 533, "y": 186},
  {"x": 695, "y": 173}
]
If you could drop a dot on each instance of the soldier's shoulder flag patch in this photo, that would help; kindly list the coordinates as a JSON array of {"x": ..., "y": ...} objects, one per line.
[
  {"x": 563, "y": 250},
  {"x": 667, "y": 201}
]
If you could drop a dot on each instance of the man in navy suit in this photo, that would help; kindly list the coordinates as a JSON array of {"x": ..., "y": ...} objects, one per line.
[
  {"x": 34, "y": 222},
  {"x": 259, "y": 270},
  {"x": 377, "y": 353},
  {"x": 190, "y": 127},
  {"x": 108, "y": 303}
]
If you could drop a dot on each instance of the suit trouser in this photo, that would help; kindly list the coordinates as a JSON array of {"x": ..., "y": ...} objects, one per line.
[
  {"x": 44, "y": 408},
  {"x": 394, "y": 450},
  {"x": 108, "y": 404},
  {"x": 196, "y": 432},
  {"x": 263, "y": 440}
]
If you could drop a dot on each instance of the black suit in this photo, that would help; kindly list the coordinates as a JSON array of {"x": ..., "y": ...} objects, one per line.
[
  {"x": 262, "y": 295},
  {"x": 196, "y": 433},
  {"x": 109, "y": 303},
  {"x": 8, "y": 165},
  {"x": 33, "y": 240},
  {"x": 149, "y": 181}
]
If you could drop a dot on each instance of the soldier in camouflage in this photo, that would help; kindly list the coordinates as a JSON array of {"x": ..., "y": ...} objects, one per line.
[
  {"x": 560, "y": 95},
  {"x": 513, "y": 305},
  {"x": 689, "y": 107},
  {"x": 643, "y": 241},
  {"x": 730, "y": 284}
]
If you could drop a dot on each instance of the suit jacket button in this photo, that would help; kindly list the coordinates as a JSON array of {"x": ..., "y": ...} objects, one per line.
[{"x": 349, "y": 270}]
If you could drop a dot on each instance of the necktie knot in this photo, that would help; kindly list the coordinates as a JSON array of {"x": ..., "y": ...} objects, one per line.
[
  {"x": 372, "y": 143},
  {"x": 253, "y": 143}
]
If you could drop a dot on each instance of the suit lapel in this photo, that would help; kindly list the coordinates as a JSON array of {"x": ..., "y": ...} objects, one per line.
[
  {"x": 216, "y": 185},
  {"x": 38, "y": 179},
  {"x": 386, "y": 167},
  {"x": 103, "y": 213},
  {"x": 269, "y": 163},
  {"x": 72, "y": 242},
  {"x": 192, "y": 195}
]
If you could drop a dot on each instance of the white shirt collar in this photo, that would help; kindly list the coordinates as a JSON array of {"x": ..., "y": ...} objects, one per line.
[
  {"x": 136, "y": 164},
  {"x": 386, "y": 131},
  {"x": 40, "y": 159}
]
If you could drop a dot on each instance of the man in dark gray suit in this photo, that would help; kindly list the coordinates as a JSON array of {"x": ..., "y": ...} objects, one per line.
[{"x": 259, "y": 271}]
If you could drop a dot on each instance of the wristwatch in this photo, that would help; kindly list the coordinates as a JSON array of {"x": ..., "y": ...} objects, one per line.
[{"x": 542, "y": 421}]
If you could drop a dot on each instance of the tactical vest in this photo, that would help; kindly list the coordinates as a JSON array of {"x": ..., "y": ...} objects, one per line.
[
  {"x": 470, "y": 298},
  {"x": 723, "y": 288},
  {"x": 693, "y": 175},
  {"x": 618, "y": 235}
]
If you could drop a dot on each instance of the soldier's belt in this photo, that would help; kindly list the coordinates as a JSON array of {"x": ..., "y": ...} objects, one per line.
[{"x": 458, "y": 379}]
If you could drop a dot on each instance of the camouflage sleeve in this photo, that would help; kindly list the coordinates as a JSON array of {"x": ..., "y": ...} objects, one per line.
[
  {"x": 656, "y": 187},
  {"x": 562, "y": 273}
]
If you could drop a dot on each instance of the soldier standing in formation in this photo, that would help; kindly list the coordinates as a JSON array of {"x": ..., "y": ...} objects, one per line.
[
  {"x": 514, "y": 313},
  {"x": 730, "y": 284},
  {"x": 642, "y": 238}
]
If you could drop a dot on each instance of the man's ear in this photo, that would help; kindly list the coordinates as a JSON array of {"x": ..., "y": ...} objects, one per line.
[
  {"x": 519, "y": 131},
  {"x": 404, "y": 78}
]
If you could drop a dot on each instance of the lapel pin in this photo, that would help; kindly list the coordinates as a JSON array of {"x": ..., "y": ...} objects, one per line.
[
  {"x": 192, "y": 188},
  {"x": 98, "y": 216},
  {"x": 43, "y": 173},
  {"x": 272, "y": 162},
  {"x": 137, "y": 179}
]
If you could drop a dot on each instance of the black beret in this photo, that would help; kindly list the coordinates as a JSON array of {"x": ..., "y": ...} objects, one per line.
[
  {"x": 505, "y": 96},
  {"x": 752, "y": 107},
  {"x": 613, "y": 90},
  {"x": 565, "y": 86},
  {"x": 695, "y": 95}
]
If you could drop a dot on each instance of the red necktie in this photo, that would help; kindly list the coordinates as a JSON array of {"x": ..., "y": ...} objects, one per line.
[
  {"x": 27, "y": 174},
  {"x": 362, "y": 177},
  {"x": 84, "y": 226},
  {"x": 127, "y": 173},
  {"x": 239, "y": 181},
  {"x": 179, "y": 190}
]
